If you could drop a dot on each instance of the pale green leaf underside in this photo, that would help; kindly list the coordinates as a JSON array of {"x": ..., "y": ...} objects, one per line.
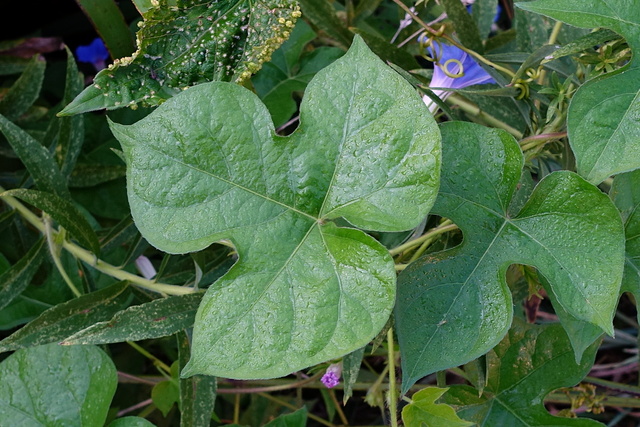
[
  {"x": 206, "y": 165},
  {"x": 530, "y": 362},
  {"x": 52, "y": 385},
  {"x": 465, "y": 306},
  {"x": 604, "y": 115}
]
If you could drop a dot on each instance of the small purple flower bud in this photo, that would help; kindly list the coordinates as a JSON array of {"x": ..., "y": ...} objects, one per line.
[
  {"x": 144, "y": 266},
  {"x": 331, "y": 378}
]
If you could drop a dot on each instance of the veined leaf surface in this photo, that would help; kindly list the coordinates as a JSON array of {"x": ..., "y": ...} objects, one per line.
[
  {"x": 207, "y": 165},
  {"x": 454, "y": 306}
]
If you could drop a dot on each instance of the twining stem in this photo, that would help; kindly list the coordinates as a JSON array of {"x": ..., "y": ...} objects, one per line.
[
  {"x": 157, "y": 362},
  {"x": 91, "y": 259},
  {"x": 446, "y": 226},
  {"x": 453, "y": 42},
  {"x": 392, "y": 393},
  {"x": 552, "y": 39}
]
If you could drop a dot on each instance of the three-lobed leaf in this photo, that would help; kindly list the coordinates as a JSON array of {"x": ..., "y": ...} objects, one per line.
[
  {"x": 207, "y": 165},
  {"x": 604, "y": 113},
  {"x": 454, "y": 306},
  {"x": 530, "y": 362},
  {"x": 423, "y": 411}
]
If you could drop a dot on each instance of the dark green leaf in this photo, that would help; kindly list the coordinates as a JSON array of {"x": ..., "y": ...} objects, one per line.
[
  {"x": 387, "y": 51},
  {"x": 110, "y": 24},
  {"x": 187, "y": 42},
  {"x": 63, "y": 320},
  {"x": 322, "y": 14},
  {"x": 530, "y": 362},
  {"x": 484, "y": 13},
  {"x": 23, "y": 93},
  {"x": 17, "y": 278},
  {"x": 90, "y": 175},
  {"x": 71, "y": 130},
  {"x": 161, "y": 317},
  {"x": 365, "y": 150},
  {"x": 350, "y": 370},
  {"x": 587, "y": 42},
  {"x": 130, "y": 422},
  {"x": 52, "y": 385},
  {"x": 295, "y": 419},
  {"x": 63, "y": 211},
  {"x": 197, "y": 393},
  {"x": 464, "y": 25},
  {"x": 36, "y": 158},
  {"x": 464, "y": 307}
]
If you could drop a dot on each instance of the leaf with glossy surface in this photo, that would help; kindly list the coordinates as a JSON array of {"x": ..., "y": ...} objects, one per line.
[
  {"x": 530, "y": 362},
  {"x": 63, "y": 320},
  {"x": 603, "y": 121},
  {"x": 625, "y": 193},
  {"x": 424, "y": 412},
  {"x": 457, "y": 301},
  {"x": 304, "y": 290},
  {"x": 187, "y": 42},
  {"x": 161, "y": 317},
  {"x": 53, "y": 385}
]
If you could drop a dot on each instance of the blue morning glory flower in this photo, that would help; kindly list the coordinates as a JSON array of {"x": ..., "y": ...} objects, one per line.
[
  {"x": 95, "y": 53},
  {"x": 454, "y": 69}
]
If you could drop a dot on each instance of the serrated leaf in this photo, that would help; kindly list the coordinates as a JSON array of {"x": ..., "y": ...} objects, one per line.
[
  {"x": 63, "y": 320},
  {"x": 63, "y": 211},
  {"x": 604, "y": 114},
  {"x": 52, "y": 385},
  {"x": 162, "y": 317},
  {"x": 625, "y": 193},
  {"x": 288, "y": 72},
  {"x": 530, "y": 362},
  {"x": 17, "y": 278},
  {"x": 187, "y": 42},
  {"x": 424, "y": 412},
  {"x": 465, "y": 307},
  {"x": 304, "y": 290}
]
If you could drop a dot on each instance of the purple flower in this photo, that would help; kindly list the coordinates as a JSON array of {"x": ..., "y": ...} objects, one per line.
[
  {"x": 454, "y": 69},
  {"x": 95, "y": 53},
  {"x": 331, "y": 377}
]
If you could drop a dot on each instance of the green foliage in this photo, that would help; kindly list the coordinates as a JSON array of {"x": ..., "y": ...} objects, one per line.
[
  {"x": 187, "y": 42},
  {"x": 275, "y": 198},
  {"x": 465, "y": 308},
  {"x": 55, "y": 386},
  {"x": 528, "y": 363},
  {"x": 199, "y": 232}
]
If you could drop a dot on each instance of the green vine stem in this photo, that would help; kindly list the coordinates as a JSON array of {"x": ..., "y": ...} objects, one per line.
[
  {"x": 392, "y": 396},
  {"x": 89, "y": 258},
  {"x": 446, "y": 226},
  {"x": 54, "y": 250},
  {"x": 472, "y": 109}
]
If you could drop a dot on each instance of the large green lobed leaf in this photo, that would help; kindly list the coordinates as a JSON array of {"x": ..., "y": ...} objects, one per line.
[
  {"x": 603, "y": 121},
  {"x": 530, "y": 362},
  {"x": 183, "y": 43},
  {"x": 455, "y": 305},
  {"x": 207, "y": 165}
]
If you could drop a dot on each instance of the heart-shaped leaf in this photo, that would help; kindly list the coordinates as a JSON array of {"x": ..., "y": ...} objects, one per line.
[
  {"x": 187, "y": 42},
  {"x": 457, "y": 301},
  {"x": 530, "y": 362},
  {"x": 51, "y": 385},
  {"x": 604, "y": 114},
  {"x": 207, "y": 165}
]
